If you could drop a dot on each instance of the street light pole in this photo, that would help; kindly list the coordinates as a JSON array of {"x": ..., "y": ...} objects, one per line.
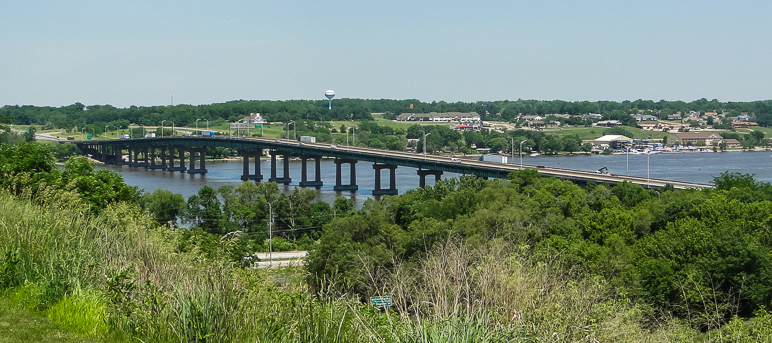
[
  {"x": 172, "y": 129},
  {"x": 648, "y": 170},
  {"x": 347, "y": 134},
  {"x": 354, "y": 135},
  {"x": 199, "y": 133},
  {"x": 425, "y": 135},
  {"x": 521, "y": 153},
  {"x": 106, "y": 131},
  {"x": 162, "y": 128},
  {"x": 288, "y": 125},
  {"x": 627, "y": 171}
]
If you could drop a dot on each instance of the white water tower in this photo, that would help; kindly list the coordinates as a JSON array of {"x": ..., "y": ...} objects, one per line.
[{"x": 330, "y": 94}]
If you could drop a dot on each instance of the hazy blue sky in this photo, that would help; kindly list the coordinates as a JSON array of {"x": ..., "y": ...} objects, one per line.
[{"x": 130, "y": 52}]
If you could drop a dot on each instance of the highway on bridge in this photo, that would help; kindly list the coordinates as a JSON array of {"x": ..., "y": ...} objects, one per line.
[{"x": 399, "y": 158}]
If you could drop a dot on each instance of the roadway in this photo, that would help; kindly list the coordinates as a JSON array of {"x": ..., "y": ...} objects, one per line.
[
  {"x": 400, "y": 158},
  {"x": 568, "y": 174}
]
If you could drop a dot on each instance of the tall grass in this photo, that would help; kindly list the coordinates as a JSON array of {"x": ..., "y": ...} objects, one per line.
[{"x": 119, "y": 275}]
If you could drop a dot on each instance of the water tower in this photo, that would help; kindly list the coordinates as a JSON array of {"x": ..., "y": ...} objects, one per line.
[{"x": 330, "y": 94}]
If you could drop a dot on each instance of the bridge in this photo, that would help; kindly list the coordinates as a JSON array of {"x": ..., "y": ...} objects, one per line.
[{"x": 169, "y": 154}]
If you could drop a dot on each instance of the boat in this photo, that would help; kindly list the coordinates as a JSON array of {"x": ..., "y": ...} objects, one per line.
[{"x": 534, "y": 154}]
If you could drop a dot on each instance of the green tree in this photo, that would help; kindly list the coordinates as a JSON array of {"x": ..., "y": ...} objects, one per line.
[
  {"x": 204, "y": 210},
  {"x": 164, "y": 206}
]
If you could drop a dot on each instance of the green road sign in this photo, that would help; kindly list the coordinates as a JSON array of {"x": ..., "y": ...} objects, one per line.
[
  {"x": 381, "y": 301},
  {"x": 88, "y": 137},
  {"x": 257, "y": 126}
]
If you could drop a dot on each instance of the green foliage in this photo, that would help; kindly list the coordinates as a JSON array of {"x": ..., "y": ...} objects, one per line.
[
  {"x": 82, "y": 312},
  {"x": 164, "y": 206},
  {"x": 618, "y": 130}
]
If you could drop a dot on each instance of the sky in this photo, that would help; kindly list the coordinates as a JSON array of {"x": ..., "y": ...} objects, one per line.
[{"x": 137, "y": 52}]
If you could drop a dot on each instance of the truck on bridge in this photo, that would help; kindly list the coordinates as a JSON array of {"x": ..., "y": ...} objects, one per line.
[{"x": 493, "y": 158}]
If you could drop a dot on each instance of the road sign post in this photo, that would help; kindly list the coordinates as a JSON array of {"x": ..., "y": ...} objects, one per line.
[{"x": 381, "y": 302}]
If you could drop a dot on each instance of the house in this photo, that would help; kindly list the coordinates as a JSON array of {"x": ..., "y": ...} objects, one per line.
[
  {"x": 697, "y": 138},
  {"x": 645, "y": 117},
  {"x": 742, "y": 118},
  {"x": 253, "y": 118},
  {"x": 674, "y": 116}
]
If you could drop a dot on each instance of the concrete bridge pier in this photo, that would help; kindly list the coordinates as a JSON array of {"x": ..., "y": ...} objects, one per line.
[
  {"x": 255, "y": 154},
  {"x": 145, "y": 161},
  {"x": 285, "y": 179},
  {"x": 140, "y": 156},
  {"x": 121, "y": 162},
  {"x": 199, "y": 153},
  {"x": 154, "y": 157},
  {"x": 181, "y": 155},
  {"x": 422, "y": 174},
  {"x": 392, "y": 190},
  {"x": 110, "y": 157},
  {"x": 352, "y": 186},
  {"x": 317, "y": 172}
]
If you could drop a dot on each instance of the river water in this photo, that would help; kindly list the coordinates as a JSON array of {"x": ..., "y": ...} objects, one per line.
[{"x": 695, "y": 167}]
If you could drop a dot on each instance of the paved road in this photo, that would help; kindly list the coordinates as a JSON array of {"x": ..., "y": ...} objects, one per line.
[
  {"x": 280, "y": 259},
  {"x": 548, "y": 171}
]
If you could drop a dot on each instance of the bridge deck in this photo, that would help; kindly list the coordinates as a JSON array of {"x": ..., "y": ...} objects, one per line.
[{"x": 431, "y": 162}]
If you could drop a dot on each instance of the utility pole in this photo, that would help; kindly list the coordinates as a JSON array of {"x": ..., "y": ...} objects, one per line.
[
  {"x": 270, "y": 234},
  {"x": 521, "y": 153}
]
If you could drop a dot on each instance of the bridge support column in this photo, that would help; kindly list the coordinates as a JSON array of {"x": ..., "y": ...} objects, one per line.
[
  {"x": 199, "y": 153},
  {"x": 154, "y": 157},
  {"x": 109, "y": 155},
  {"x": 246, "y": 154},
  {"x": 181, "y": 153},
  {"x": 392, "y": 190},
  {"x": 285, "y": 179},
  {"x": 119, "y": 156},
  {"x": 352, "y": 186},
  {"x": 422, "y": 174},
  {"x": 317, "y": 173},
  {"x": 144, "y": 161}
]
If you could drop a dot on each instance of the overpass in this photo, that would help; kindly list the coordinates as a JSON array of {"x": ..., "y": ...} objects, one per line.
[{"x": 169, "y": 154}]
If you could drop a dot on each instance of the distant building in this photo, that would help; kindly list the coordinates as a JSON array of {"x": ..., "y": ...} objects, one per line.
[
  {"x": 697, "y": 138},
  {"x": 608, "y": 123},
  {"x": 253, "y": 118},
  {"x": 465, "y": 127},
  {"x": 591, "y": 116},
  {"x": 732, "y": 143},
  {"x": 744, "y": 124},
  {"x": 460, "y": 117},
  {"x": 530, "y": 118},
  {"x": 645, "y": 117},
  {"x": 612, "y": 142},
  {"x": 674, "y": 116}
]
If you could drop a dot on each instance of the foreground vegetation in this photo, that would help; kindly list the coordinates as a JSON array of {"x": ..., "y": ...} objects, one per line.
[{"x": 525, "y": 259}]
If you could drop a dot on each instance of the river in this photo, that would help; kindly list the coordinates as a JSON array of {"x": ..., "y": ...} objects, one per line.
[{"x": 695, "y": 167}]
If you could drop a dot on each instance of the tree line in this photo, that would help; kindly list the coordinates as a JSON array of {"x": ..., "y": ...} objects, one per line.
[{"x": 96, "y": 117}]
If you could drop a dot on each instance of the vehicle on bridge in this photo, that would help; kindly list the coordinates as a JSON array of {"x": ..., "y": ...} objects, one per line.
[{"x": 493, "y": 158}]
